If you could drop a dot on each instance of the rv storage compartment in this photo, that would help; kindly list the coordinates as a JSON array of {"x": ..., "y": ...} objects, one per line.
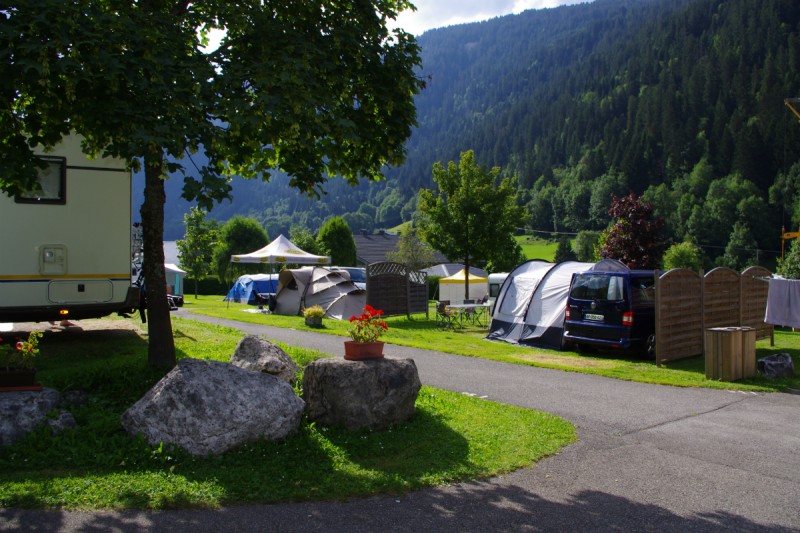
[{"x": 80, "y": 291}]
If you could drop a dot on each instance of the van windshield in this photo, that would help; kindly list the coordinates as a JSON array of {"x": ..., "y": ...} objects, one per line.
[{"x": 597, "y": 287}]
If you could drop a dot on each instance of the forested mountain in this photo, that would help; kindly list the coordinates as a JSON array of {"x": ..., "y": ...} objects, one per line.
[{"x": 679, "y": 100}]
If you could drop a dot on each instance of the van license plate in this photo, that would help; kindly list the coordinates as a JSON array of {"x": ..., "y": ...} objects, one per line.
[{"x": 590, "y": 316}]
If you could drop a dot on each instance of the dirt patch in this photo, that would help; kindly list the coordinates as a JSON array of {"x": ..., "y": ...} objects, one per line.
[
  {"x": 109, "y": 325},
  {"x": 574, "y": 362}
]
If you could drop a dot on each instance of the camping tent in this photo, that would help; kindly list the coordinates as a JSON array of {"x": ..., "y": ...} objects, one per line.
[
  {"x": 443, "y": 270},
  {"x": 330, "y": 289},
  {"x": 245, "y": 288},
  {"x": 452, "y": 288},
  {"x": 175, "y": 278},
  {"x": 531, "y": 303},
  {"x": 281, "y": 251}
]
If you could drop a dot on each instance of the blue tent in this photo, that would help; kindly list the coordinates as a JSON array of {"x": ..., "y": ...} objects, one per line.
[{"x": 245, "y": 288}]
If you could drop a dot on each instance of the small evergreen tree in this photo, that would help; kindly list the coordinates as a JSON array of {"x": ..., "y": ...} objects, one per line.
[
  {"x": 336, "y": 240},
  {"x": 564, "y": 251}
]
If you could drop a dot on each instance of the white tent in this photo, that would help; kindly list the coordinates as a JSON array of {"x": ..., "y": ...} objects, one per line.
[
  {"x": 281, "y": 251},
  {"x": 330, "y": 289},
  {"x": 530, "y": 306},
  {"x": 452, "y": 287}
]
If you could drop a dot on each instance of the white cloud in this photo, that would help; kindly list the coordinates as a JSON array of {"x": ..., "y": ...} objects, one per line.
[{"x": 439, "y": 13}]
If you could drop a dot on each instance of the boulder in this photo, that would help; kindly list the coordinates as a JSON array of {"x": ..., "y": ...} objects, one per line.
[
  {"x": 779, "y": 365},
  {"x": 373, "y": 394},
  {"x": 21, "y": 412},
  {"x": 210, "y": 407},
  {"x": 260, "y": 355}
]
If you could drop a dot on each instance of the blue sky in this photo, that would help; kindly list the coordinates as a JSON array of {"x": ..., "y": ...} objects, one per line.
[{"x": 438, "y": 13}]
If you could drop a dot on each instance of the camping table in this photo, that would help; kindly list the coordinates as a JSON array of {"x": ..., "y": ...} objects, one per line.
[{"x": 480, "y": 311}]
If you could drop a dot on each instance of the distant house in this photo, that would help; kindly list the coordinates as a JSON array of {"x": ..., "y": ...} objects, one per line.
[{"x": 374, "y": 247}]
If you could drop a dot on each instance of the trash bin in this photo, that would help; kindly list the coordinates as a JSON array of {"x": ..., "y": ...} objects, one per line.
[{"x": 730, "y": 353}]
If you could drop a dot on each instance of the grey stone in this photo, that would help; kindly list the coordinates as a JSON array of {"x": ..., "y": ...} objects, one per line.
[
  {"x": 210, "y": 407},
  {"x": 64, "y": 421},
  {"x": 779, "y": 365},
  {"x": 22, "y": 412},
  {"x": 259, "y": 355},
  {"x": 373, "y": 394}
]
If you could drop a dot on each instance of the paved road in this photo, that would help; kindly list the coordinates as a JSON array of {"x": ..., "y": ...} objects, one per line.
[{"x": 649, "y": 458}]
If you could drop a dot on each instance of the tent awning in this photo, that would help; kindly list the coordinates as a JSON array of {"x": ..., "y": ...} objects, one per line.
[
  {"x": 281, "y": 251},
  {"x": 459, "y": 277}
]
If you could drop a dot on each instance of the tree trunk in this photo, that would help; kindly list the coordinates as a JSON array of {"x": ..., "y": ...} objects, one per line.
[{"x": 161, "y": 345}]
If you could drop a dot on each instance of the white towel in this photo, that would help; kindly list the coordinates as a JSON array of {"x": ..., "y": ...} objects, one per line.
[{"x": 783, "y": 303}]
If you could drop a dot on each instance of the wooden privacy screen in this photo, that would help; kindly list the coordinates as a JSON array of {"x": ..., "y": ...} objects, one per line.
[
  {"x": 396, "y": 289},
  {"x": 721, "y": 298},
  {"x": 687, "y": 304},
  {"x": 679, "y": 315},
  {"x": 755, "y": 290}
]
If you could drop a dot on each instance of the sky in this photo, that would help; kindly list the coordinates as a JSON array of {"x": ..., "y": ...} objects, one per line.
[{"x": 438, "y": 13}]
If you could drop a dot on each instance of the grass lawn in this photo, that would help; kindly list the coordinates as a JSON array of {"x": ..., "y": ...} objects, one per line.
[
  {"x": 421, "y": 332},
  {"x": 536, "y": 247},
  {"x": 96, "y": 465}
]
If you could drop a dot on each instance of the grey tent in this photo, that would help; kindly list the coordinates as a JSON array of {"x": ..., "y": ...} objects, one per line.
[{"x": 330, "y": 289}]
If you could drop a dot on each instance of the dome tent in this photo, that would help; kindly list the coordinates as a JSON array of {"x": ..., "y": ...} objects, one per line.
[
  {"x": 530, "y": 306},
  {"x": 330, "y": 289}
]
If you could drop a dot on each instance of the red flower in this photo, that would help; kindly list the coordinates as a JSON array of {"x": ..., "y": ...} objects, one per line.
[{"x": 20, "y": 345}]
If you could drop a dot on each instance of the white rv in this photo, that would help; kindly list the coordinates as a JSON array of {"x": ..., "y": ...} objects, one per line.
[{"x": 66, "y": 248}]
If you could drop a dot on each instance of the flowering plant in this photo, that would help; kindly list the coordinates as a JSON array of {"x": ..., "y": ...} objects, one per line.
[
  {"x": 368, "y": 326},
  {"x": 24, "y": 353}
]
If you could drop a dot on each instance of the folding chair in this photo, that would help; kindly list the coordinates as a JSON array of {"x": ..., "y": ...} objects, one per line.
[{"x": 444, "y": 317}]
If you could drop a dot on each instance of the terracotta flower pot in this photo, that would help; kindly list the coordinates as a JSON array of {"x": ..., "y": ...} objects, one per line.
[
  {"x": 358, "y": 351},
  {"x": 17, "y": 377}
]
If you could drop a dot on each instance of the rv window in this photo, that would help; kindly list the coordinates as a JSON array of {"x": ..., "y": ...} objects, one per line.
[{"x": 52, "y": 181}]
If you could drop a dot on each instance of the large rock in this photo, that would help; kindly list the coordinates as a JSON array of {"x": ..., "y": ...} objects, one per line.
[
  {"x": 21, "y": 412},
  {"x": 372, "y": 394},
  {"x": 260, "y": 355},
  {"x": 210, "y": 407}
]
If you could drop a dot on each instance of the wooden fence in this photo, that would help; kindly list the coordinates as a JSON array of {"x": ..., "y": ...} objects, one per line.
[
  {"x": 396, "y": 289},
  {"x": 688, "y": 303}
]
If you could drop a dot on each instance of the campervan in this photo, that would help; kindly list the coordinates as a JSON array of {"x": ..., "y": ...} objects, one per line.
[
  {"x": 67, "y": 243},
  {"x": 611, "y": 310},
  {"x": 494, "y": 282}
]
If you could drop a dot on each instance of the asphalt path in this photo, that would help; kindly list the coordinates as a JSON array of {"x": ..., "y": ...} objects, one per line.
[{"x": 648, "y": 458}]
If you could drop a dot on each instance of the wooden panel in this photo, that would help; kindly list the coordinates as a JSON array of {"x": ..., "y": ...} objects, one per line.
[
  {"x": 754, "y": 291},
  {"x": 721, "y": 298},
  {"x": 679, "y": 317}
]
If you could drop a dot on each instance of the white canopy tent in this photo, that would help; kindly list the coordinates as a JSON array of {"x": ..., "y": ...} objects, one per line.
[{"x": 281, "y": 251}]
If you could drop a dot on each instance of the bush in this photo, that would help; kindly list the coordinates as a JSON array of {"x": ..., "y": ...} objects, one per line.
[
  {"x": 206, "y": 286},
  {"x": 789, "y": 266},
  {"x": 683, "y": 255}
]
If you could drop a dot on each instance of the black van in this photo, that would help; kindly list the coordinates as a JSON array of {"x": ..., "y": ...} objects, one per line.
[{"x": 611, "y": 310}]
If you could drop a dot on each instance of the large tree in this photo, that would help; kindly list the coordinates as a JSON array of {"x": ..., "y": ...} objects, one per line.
[
  {"x": 473, "y": 215},
  {"x": 315, "y": 88}
]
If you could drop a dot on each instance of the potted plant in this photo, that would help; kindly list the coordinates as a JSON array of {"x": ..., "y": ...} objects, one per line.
[
  {"x": 17, "y": 369},
  {"x": 314, "y": 316},
  {"x": 365, "y": 330}
]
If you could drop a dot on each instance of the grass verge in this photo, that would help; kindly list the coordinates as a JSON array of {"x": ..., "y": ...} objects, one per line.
[
  {"x": 418, "y": 331},
  {"x": 96, "y": 465}
]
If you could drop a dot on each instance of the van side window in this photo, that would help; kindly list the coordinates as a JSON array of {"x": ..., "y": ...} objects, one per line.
[
  {"x": 52, "y": 184},
  {"x": 643, "y": 290},
  {"x": 598, "y": 287}
]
